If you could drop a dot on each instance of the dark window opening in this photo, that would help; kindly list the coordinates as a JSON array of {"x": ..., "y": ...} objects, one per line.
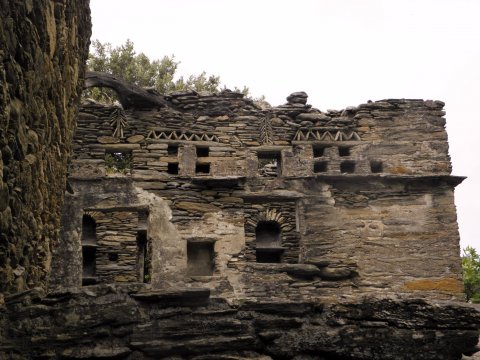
[
  {"x": 89, "y": 241},
  {"x": 268, "y": 239},
  {"x": 112, "y": 256},
  {"x": 202, "y": 151},
  {"x": 142, "y": 220},
  {"x": 268, "y": 234},
  {"x": 200, "y": 258},
  {"x": 269, "y": 255},
  {"x": 89, "y": 230},
  {"x": 88, "y": 261},
  {"x": 320, "y": 166},
  {"x": 119, "y": 162},
  {"x": 172, "y": 168},
  {"x": 143, "y": 258},
  {"x": 318, "y": 151},
  {"x": 202, "y": 168},
  {"x": 270, "y": 164},
  {"x": 376, "y": 166},
  {"x": 347, "y": 167},
  {"x": 172, "y": 149},
  {"x": 344, "y": 151}
]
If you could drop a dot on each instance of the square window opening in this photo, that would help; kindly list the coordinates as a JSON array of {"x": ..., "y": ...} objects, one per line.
[
  {"x": 118, "y": 162},
  {"x": 172, "y": 149},
  {"x": 318, "y": 151},
  {"x": 347, "y": 167},
  {"x": 200, "y": 258},
  {"x": 202, "y": 168},
  {"x": 269, "y": 164},
  {"x": 344, "y": 151},
  {"x": 376, "y": 167},
  {"x": 320, "y": 167},
  {"x": 203, "y": 151},
  {"x": 172, "y": 168}
]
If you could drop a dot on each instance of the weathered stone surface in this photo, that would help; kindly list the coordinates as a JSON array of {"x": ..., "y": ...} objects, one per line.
[
  {"x": 226, "y": 230},
  {"x": 122, "y": 326},
  {"x": 43, "y": 48}
]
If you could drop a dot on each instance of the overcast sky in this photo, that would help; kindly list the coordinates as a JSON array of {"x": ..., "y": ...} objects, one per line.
[{"x": 341, "y": 52}]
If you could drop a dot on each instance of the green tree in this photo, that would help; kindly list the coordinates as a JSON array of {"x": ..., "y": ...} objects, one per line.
[
  {"x": 138, "y": 69},
  {"x": 471, "y": 274}
]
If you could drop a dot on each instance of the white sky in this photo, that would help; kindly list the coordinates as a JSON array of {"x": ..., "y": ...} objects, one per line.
[{"x": 341, "y": 52}]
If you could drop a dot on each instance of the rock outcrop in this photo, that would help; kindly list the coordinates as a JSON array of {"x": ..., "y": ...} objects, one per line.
[
  {"x": 43, "y": 49},
  {"x": 118, "y": 322}
]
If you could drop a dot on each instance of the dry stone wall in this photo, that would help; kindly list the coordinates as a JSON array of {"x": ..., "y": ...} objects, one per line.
[
  {"x": 213, "y": 228},
  {"x": 284, "y": 202},
  {"x": 43, "y": 48}
]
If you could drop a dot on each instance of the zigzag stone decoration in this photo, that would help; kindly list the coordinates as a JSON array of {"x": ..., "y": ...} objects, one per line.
[
  {"x": 180, "y": 135},
  {"x": 325, "y": 135}
]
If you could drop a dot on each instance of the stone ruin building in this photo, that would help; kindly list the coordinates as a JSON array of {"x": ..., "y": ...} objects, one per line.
[
  {"x": 204, "y": 226},
  {"x": 210, "y": 200},
  {"x": 278, "y": 203}
]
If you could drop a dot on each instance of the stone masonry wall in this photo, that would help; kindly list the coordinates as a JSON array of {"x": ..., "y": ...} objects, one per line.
[
  {"x": 43, "y": 49},
  {"x": 223, "y": 230},
  {"x": 358, "y": 198}
]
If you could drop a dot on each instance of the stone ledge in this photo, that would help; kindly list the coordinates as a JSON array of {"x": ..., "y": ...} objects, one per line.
[{"x": 176, "y": 297}]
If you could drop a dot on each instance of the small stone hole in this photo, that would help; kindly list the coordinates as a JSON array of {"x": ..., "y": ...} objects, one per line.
[
  {"x": 202, "y": 152},
  {"x": 344, "y": 151},
  {"x": 320, "y": 166},
  {"x": 172, "y": 168},
  {"x": 172, "y": 149},
  {"x": 113, "y": 256},
  {"x": 376, "y": 166},
  {"x": 202, "y": 169},
  {"x": 318, "y": 151},
  {"x": 347, "y": 167}
]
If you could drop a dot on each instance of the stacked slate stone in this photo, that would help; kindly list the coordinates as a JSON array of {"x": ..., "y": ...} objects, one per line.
[{"x": 281, "y": 208}]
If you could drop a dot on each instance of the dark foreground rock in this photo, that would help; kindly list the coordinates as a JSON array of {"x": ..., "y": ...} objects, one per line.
[{"x": 127, "y": 322}]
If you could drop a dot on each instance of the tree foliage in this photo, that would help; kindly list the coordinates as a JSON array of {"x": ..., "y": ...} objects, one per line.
[
  {"x": 138, "y": 69},
  {"x": 471, "y": 274}
]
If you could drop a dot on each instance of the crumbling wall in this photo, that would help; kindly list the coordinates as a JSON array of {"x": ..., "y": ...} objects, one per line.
[
  {"x": 361, "y": 202},
  {"x": 43, "y": 49}
]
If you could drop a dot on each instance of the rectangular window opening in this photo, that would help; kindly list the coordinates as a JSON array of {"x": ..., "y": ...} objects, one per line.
[
  {"x": 376, "y": 166},
  {"x": 202, "y": 168},
  {"x": 202, "y": 151},
  {"x": 118, "y": 162},
  {"x": 270, "y": 164},
  {"x": 344, "y": 151},
  {"x": 347, "y": 167},
  {"x": 200, "y": 258},
  {"x": 143, "y": 258},
  {"x": 172, "y": 168},
  {"x": 269, "y": 255},
  {"x": 88, "y": 261},
  {"x": 320, "y": 167},
  {"x": 318, "y": 151},
  {"x": 172, "y": 149}
]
